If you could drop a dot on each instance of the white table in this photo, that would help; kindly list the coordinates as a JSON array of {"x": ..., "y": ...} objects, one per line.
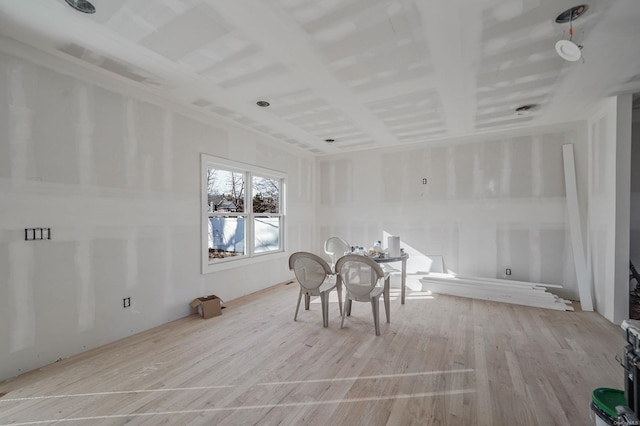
[{"x": 402, "y": 258}]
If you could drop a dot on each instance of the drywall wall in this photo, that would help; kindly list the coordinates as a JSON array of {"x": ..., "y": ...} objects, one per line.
[
  {"x": 117, "y": 180},
  {"x": 489, "y": 203},
  {"x": 634, "y": 243},
  {"x": 609, "y": 205}
]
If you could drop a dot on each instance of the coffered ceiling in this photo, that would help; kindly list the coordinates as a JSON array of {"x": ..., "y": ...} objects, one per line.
[{"x": 365, "y": 73}]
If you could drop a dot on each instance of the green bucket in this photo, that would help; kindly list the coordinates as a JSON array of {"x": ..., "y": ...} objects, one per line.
[{"x": 604, "y": 402}]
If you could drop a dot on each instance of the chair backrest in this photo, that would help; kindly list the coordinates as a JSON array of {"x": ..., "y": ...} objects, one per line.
[
  {"x": 310, "y": 269},
  {"x": 359, "y": 274},
  {"x": 336, "y": 247}
]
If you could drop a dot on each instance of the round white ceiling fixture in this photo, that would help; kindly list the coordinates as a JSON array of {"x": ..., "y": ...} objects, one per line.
[{"x": 568, "y": 50}]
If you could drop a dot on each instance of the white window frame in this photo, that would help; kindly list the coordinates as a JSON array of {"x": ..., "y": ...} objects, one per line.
[{"x": 209, "y": 161}]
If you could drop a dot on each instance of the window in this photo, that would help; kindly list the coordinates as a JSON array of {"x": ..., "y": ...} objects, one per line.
[{"x": 243, "y": 213}]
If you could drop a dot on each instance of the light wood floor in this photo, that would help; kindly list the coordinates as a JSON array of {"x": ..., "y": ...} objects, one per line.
[{"x": 442, "y": 360}]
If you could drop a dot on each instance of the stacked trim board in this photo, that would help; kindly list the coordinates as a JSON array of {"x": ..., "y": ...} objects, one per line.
[{"x": 498, "y": 290}]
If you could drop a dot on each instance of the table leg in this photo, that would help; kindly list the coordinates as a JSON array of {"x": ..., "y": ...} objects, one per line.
[
  {"x": 387, "y": 310},
  {"x": 404, "y": 280}
]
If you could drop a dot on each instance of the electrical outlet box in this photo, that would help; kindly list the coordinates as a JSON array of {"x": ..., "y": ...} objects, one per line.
[
  {"x": 126, "y": 302},
  {"x": 507, "y": 271},
  {"x": 32, "y": 234}
]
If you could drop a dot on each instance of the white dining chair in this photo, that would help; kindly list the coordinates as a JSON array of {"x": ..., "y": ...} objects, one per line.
[
  {"x": 336, "y": 247},
  {"x": 364, "y": 281},
  {"x": 316, "y": 278}
]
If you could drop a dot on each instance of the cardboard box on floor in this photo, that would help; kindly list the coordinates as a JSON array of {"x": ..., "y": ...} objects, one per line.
[{"x": 208, "y": 306}]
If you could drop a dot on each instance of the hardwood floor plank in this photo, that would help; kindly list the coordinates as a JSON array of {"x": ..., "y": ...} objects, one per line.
[{"x": 443, "y": 360}]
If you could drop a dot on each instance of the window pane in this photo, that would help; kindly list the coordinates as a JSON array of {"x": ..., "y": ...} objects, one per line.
[
  {"x": 232, "y": 230},
  {"x": 266, "y": 233},
  {"x": 226, "y": 236},
  {"x": 266, "y": 195},
  {"x": 226, "y": 191}
]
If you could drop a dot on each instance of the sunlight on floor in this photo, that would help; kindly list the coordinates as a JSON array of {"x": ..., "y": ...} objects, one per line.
[
  {"x": 420, "y": 295},
  {"x": 394, "y": 294}
]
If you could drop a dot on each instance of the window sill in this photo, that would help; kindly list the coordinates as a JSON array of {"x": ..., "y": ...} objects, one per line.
[{"x": 222, "y": 265}]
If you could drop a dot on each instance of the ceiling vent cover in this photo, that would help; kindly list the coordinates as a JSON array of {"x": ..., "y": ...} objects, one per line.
[{"x": 525, "y": 109}]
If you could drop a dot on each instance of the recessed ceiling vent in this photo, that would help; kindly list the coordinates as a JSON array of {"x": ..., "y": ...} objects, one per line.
[
  {"x": 263, "y": 104},
  {"x": 82, "y": 6},
  {"x": 202, "y": 103},
  {"x": 329, "y": 140},
  {"x": 525, "y": 109}
]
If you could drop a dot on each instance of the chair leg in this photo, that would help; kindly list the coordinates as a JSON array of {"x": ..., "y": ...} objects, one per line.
[
  {"x": 347, "y": 305},
  {"x": 307, "y": 300},
  {"x": 339, "y": 290},
  {"x": 295, "y": 317},
  {"x": 344, "y": 311},
  {"x": 325, "y": 309},
  {"x": 386, "y": 299},
  {"x": 375, "y": 306}
]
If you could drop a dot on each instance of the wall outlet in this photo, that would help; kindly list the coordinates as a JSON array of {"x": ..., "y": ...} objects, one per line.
[
  {"x": 507, "y": 271},
  {"x": 126, "y": 302}
]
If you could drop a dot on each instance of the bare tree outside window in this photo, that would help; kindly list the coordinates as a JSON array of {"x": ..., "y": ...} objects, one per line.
[
  {"x": 226, "y": 190},
  {"x": 267, "y": 222},
  {"x": 226, "y": 205},
  {"x": 266, "y": 195}
]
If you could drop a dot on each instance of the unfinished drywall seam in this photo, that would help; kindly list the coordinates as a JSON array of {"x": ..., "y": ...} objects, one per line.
[
  {"x": 20, "y": 118},
  {"x": 506, "y": 247},
  {"x": 85, "y": 294},
  {"x": 22, "y": 318},
  {"x": 537, "y": 167},
  {"x": 535, "y": 255},
  {"x": 131, "y": 259},
  {"x": 478, "y": 176},
  {"x": 451, "y": 173},
  {"x": 167, "y": 150},
  {"x": 84, "y": 127},
  {"x": 332, "y": 184},
  {"x": 505, "y": 177},
  {"x": 130, "y": 141},
  {"x": 147, "y": 173},
  {"x": 167, "y": 251}
]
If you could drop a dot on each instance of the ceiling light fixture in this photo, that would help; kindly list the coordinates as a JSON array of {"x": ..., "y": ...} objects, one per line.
[
  {"x": 82, "y": 6},
  {"x": 568, "y": 49},
  {"x": 263, "y": 104},
  {"x": 329, "y": 140}
]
